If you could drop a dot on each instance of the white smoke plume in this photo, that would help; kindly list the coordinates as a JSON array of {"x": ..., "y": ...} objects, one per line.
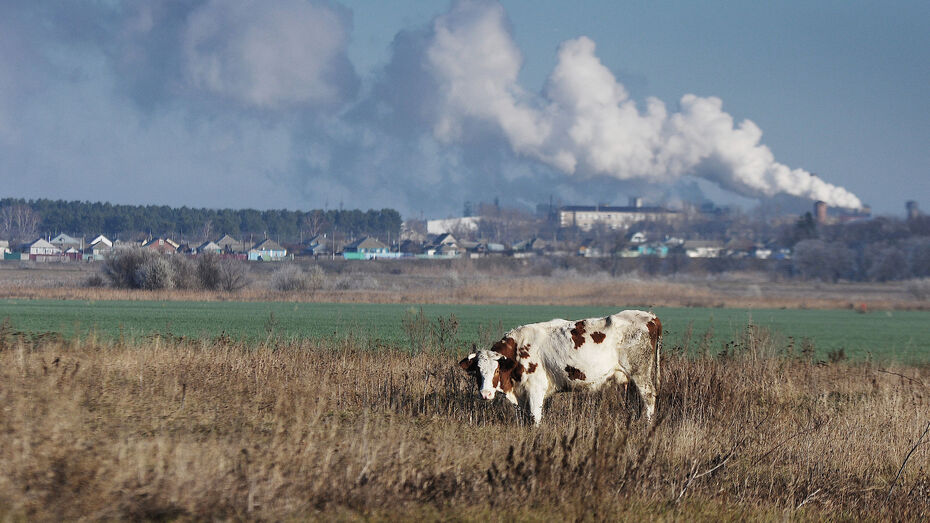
[
  {"x": 585, "y": 123},
  {"x": 286, "y": 53}
]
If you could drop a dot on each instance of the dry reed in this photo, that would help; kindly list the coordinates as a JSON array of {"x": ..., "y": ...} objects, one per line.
[{"x": 214, "y": 429}]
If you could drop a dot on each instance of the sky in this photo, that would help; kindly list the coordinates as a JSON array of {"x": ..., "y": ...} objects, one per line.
[{"x": 425, "y": 105}]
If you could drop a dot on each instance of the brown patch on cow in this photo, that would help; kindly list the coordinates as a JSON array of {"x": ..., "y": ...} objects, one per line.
[
  {"x": 532, "y": 368},
  {"x": 598, "y": 337},
  {"x": 578, "y": 334},
  {"x": 507, "y": 347},
  {"x": 574, "y": 373},
  {"x": 524, "y": 354},
  {"x": 508, "y": 371},
  {"x": 655, "y": 331}
]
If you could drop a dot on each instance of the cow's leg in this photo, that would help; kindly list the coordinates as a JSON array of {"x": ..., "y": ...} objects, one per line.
[
  {"x": 535, "y": 397},
  {"x": 648, "y": 395}
]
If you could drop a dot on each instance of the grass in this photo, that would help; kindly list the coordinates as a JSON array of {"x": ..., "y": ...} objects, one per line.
[
  {"x": 213, "y": 428},
  {"x": 889, "y": 335}
]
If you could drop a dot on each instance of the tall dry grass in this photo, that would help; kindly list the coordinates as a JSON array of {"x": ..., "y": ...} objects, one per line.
[{"x": 204, "y": 429}]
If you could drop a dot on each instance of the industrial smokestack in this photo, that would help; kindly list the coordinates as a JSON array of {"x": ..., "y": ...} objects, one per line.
[
  {"x": 636, "y": 202},
  {"x": 820, "y": 211}
]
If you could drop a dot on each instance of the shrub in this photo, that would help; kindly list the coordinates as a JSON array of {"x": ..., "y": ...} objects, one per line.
[
  {"x": 137, "y": 268},
  {"x": 291, "y": 278},
  {"x": 154, "y": 273},
  {"x": 122, "y": 264},
  {"x": 208, "y": 271},
  {"x": 95, "y": 280},
  {"x": 233, "y": 275},
  {"x": 185, "y": 272}
]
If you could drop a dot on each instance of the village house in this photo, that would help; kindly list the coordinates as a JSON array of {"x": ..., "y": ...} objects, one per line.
[
  {"x": 267, "y": 250},
  {"x": 99, "y": 248},
  {"x": 208, "y": 247},
  {"x": 702, "y": 248},
  {"x": 65, "y": 242},
  {"x": 162, "y": 245},
  {"x": 366, "y": 248},
  {"x": 42, "y": 247},
  {"x": 231, "y": 245}
]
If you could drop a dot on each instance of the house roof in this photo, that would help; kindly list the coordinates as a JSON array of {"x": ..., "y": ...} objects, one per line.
[
  {"x": 102, "y": 239},
  {"x": 63, "y": 238},
  {"x": 209, "y": 246},
  {"x": 366, "y": 242},
  {"x": 227, "y": 240},
  {"x": 443, "y": 239},
  {"x": 315, "y": 240},
  {"x": 162, "y": 241},
  {"x": 41, "y": 243},
  {"x": 267, "y": 245},
  {"x": 703, "y": 244}
]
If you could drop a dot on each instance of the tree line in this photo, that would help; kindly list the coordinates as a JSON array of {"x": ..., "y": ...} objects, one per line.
[{"x": 24, "y": 219}]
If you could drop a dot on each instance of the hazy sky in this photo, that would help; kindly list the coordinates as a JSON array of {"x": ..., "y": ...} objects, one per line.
[{"x": 422, "y": 105}]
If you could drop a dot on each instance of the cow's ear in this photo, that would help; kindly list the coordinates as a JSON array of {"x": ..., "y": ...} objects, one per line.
[
  {"x": 506, "y": 364},
  {"x": 469, "y": 361}
]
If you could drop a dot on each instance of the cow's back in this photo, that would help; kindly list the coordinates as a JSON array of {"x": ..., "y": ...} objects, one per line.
[{"x": 587, "y": 353}]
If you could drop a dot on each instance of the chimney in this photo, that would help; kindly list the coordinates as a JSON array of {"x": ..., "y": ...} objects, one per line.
[
  {"x": 820, "y": 211},
  {"x": 913, "y": 211},
  {"x": 636, "y": 201}
]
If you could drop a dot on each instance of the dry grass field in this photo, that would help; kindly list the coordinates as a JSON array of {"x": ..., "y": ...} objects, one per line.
[
  {"x": 212, "y": 429},
  {"x": 489, "y": 282}
]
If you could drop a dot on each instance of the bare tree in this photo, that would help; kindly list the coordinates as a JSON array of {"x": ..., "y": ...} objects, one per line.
[
  {"x": 19, "y": 222},
  {"x": 314, "y": 223},
  {"x": 206, "y": 232}
]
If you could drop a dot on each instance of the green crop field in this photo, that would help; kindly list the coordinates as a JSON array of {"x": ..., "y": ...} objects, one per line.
[{"x": 893, "y": 335}]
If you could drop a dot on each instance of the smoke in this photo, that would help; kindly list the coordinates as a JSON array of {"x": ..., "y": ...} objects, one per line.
[
  {"x": 270, "y": 55},
  {"x": 585, "y": 124},
  {"x": 253, "y": 104}
]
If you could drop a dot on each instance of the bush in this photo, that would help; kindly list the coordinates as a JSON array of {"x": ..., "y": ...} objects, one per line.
[
  {"x": 291, "y": 278},
  {"x": 137, "y": 268},
  {"x": 819, "y": 260},
  {"x": 185, "y": 272},
  {"x": 95, "y": 280},
  {"x": 122, "y": 264},
  {"x": 208, "y": 271},
  {"x": 155, "y": 273},
  {"x": 233, "y": 275}
]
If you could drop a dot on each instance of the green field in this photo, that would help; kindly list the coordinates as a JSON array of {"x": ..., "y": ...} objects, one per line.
[{"x": 897, "y": 335}]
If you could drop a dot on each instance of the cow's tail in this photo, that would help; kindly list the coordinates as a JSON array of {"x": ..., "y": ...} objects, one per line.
[{"x": 658, "y": 349}]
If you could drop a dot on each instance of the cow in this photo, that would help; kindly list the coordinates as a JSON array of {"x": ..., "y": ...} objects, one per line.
[{"x": 532, "y": 362}]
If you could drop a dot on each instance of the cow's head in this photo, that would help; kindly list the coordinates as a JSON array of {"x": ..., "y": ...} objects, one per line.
[{"x": 493, "y": 372}]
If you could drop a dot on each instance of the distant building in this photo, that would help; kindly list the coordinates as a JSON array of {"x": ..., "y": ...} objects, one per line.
[
  {"x": 267, "y": 250},
  {"x": 231, "y": 245},
  {"x": 99, "y": 247},
  {"x": 366, "y": 248},
  {"x": 209, "y": 247},
  {"x": 41, "y": 247},
  {"x": 162, "y": 245},
  {"x": 464, "y": 224},
  {"x": 64, "y": 242},
  {"x": 702, "y": 248},
  {"x": 585, "y": 217}
]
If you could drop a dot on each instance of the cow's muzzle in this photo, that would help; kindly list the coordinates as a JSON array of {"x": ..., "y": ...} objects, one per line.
[{"x": 487, "y": 394}]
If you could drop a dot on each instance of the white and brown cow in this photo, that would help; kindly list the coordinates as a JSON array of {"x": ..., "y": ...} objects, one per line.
[{"x": 532, "y": 362}]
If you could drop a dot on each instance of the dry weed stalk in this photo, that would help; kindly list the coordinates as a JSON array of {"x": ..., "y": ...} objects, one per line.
[{"x": 211, "y": 428}]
